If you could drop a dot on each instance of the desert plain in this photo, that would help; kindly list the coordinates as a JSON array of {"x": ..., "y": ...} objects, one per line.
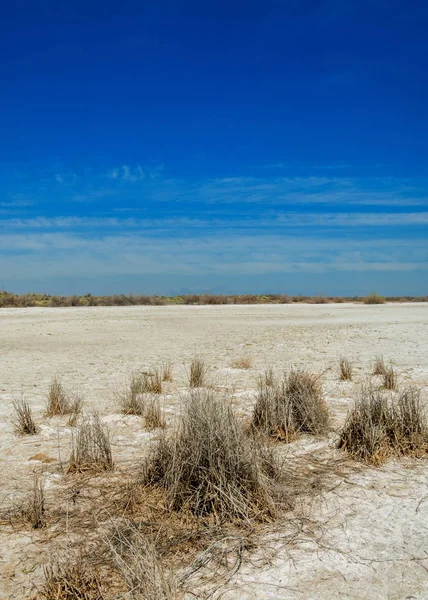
[{"x": 361, "y": 533}]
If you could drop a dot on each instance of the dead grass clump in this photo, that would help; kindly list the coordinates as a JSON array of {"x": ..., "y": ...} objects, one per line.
[
  {"x": 70, "y": 581},
  {"x": 166, "y": 371},
  {"x": 153, "y": 416},
  {"x": 131, "y": 402},
  {"x": 378, "y": 426},
  {"x": 197, "y": 374},
  {"x": 365, "y": 433},
  {"x": 390, "y": 379},
  {"x": 61, "y": 402},
  {"x": 91, "y": 449},
  {"x": 304, "y": 392},
  {"x": 291, "y": 405},
  {"x": 244, "y": 362},
  {"x": 268, "y": 377},
  {"x": 24, "y": 420},
  {"x": 147, "y": 382},
  {"x": 210, "y": 467},
  {"x": 379, "y": 367},
  {"x": 135, "y": 558},
  {"x": 345, "y": 367},
  {"x": 273, "y": 412}
]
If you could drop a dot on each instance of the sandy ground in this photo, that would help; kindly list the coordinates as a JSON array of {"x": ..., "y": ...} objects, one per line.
[{"x": 369, "y": 534}]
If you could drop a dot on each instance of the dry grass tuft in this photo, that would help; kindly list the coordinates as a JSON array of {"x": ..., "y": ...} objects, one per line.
[
  {"x": 304, "y": 392},
  {"x": 244, "y": 362},
  {"x": 135, "y": 558},
  {"x": 268, "y": 378},
  {"x": 197, "y": 374},
  {"x": 210, "y": 467},
  {"x": 91, "y": 449},
  {"x": 166, "y": 371},
  {"x": 153, "y": 416},
  {"x": 24, "y": 420},
  {"x": 273, "y": 412},
  {"x": 147, "y": 382},
  {"x": 291, "y": 405},
  {"x": 345, "y": 367},
  {"x": 70, "y": 581},
  {"x": 378, "y": 426},
  {"x": 61, "y": 402},
  {"x": 379, "y": 367},
  {"x": 390, "y": 379}
]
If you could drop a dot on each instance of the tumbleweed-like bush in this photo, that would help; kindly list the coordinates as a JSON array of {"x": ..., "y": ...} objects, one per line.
[{"x": 210, "y": 467}]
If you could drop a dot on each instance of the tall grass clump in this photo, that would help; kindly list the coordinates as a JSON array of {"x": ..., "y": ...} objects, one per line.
[
  {"x": 345, "y": 370},
  {"x": 91, "y": 449},
  {"x": 61, "y": 402},
  {"x": 24, "y": 420},
  {"x": 378, "y": 426},
  {"x": 135, "y": 558},
  {"x": 147, "y": 382},
  {"x": 290, "y": 405},
  {"x": 197, "y": 373},
  {"x": 208, "y": 466}
]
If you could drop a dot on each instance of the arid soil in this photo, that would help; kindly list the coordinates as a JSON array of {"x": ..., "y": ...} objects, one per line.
[{"x": 364, "y": 536}]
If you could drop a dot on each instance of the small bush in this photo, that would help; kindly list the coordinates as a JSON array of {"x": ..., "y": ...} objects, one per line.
[
  {"x": 70, "y": 581},
  {"x": 377, "y": 427},
  {"x": 345, "y": 370},
  {"x": 379, "y": 367},
  {"x": 273, "y": 411},
  {"x": 374, "y": 299},
  {"x": 24, "y": 420},
  {"x": 390, "y": 379},
  {"x": 135, "y": 558},
  {"x": 209, "y": 466},
  {"x": 197, "y": 373},
  {"x": 91, "y": 449},
  {"x": 244, "y": 362}
]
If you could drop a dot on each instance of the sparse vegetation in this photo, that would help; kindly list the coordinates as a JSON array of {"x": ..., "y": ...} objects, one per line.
[
  {"x": 68, "y": 580},
  {"x": 209, "y": 466},
  {"x": 135, "y": 558},
  {"x": 61, "y": 402},
  {"x": 10, "y": 300},
  {"x": 244, "y": 362},
  {"x": 379, "y": 367},
  {"x": 197, "y": 374},
  {"x": 390, "y": 378},
  {"x": 379, "y": 426},
  {"x": 91, "y": 449},
  {"x": 153, "y": 417},
  {"x": 167, "y": 371},
  {"x": 146, "y": 382},
  {"x": 24, "y": 420},
  {"x": 291, "y": 405},
  {"x": 374, "y": 299},
  {"x": 345, "y": 367}
]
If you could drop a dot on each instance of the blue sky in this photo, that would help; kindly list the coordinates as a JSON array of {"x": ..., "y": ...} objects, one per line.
[{"x": 176, "y": 146}]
